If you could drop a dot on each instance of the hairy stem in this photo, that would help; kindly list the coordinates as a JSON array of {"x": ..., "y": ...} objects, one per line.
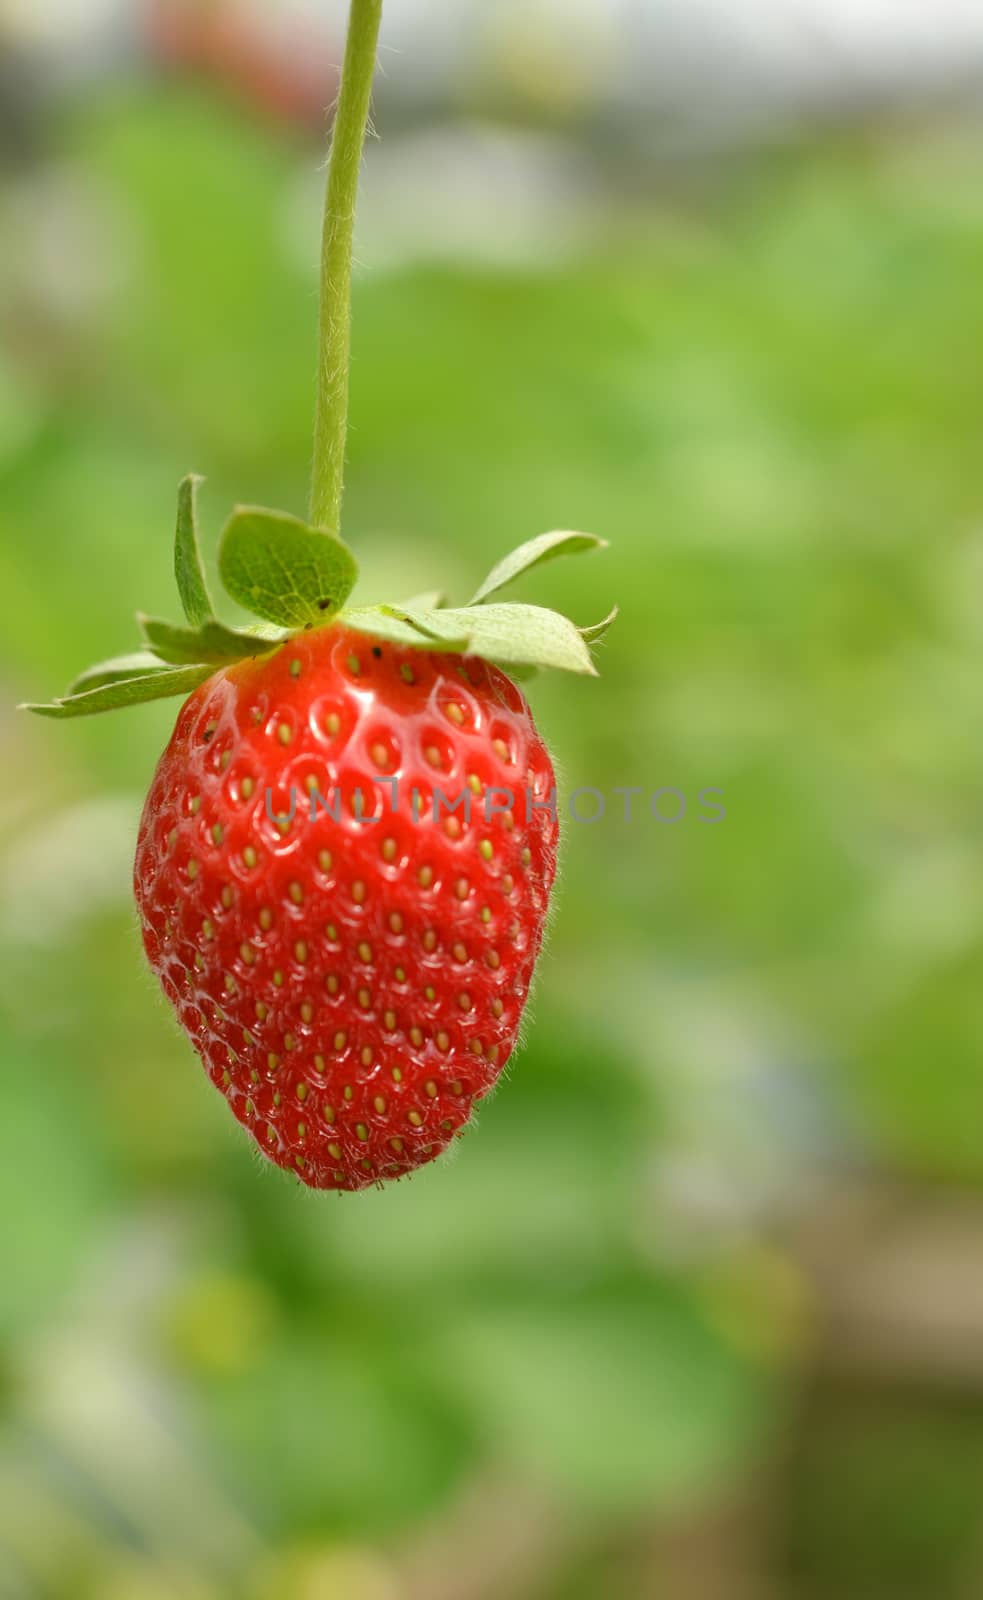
[{"x": 334, "y": 339}]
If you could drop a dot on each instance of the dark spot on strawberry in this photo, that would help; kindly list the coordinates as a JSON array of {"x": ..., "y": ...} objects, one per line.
[{"x": 377, "y": 652}]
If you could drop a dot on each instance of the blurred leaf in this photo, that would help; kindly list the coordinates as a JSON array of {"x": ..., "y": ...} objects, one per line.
[
  {"x": 53, "y": 1129},
  {"x": 620, "y": 1398},
  {"x": 358, "y": 1446}
]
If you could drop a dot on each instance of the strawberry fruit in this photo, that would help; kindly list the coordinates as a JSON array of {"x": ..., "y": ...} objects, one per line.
[
  {"x": 346, "y": 856},
  {"x": 352, "y": 971}
]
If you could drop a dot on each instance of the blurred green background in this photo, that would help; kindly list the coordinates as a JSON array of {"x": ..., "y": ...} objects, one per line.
[{"x": 696, "y": 1311}]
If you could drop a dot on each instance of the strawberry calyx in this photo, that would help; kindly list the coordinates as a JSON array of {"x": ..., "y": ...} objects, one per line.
[{"x": 295, "y": 577}]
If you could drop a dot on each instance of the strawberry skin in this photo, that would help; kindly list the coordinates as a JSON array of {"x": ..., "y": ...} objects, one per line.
[{"x": 352, "y": 986}]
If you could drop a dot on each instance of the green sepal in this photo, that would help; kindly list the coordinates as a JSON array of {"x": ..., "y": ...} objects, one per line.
[
  {"x": 189, "y": 568},
  {"x": 429, "y": 622},
  {"x": 511, "y": 635},
  {"x": 598, "y": 629},
  {"x": 127, "y": 692},
  {"x": 213, "y": 642},
  {"x": 117, "y": 670},
  {"x": 518, "y": 635},
  {"x": 545, "y": 547},
  {"x": 282, "y": 569},
  {"x": 394, "y": 624}
]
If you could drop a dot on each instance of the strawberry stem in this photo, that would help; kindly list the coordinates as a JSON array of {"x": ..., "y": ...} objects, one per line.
[{"x": 334, "y": 339}]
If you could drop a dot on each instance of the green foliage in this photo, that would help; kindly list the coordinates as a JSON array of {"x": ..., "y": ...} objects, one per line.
[{"x": 569, "y": 1386}]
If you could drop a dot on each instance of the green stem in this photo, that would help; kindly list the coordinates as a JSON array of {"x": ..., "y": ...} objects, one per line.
[{"x": 334, "y": 339}]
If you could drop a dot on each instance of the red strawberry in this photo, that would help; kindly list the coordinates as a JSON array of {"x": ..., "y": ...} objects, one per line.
[{"x": 352, "y": 987}]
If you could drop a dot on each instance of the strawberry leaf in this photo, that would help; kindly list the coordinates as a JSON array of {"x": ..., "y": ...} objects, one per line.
[
  {"x": 188, "y": 566},
  {"x": 211, "y": 642},
  {"x": 137, "y": 665},
  {"x": 515, "y": 635},
  {"x": 126, "y": 692},
  {"x": 543, "y": 548},
  {"x": 283, "y": 570}
]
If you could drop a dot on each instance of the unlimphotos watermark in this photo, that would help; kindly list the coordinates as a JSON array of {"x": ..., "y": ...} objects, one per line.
[{"x": 627, "y": 803}]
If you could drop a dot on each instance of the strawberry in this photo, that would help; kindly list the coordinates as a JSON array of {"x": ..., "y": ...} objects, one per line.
[
  {"x": 352, "y": 986},
  {"x": 345, "y": 859}
]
